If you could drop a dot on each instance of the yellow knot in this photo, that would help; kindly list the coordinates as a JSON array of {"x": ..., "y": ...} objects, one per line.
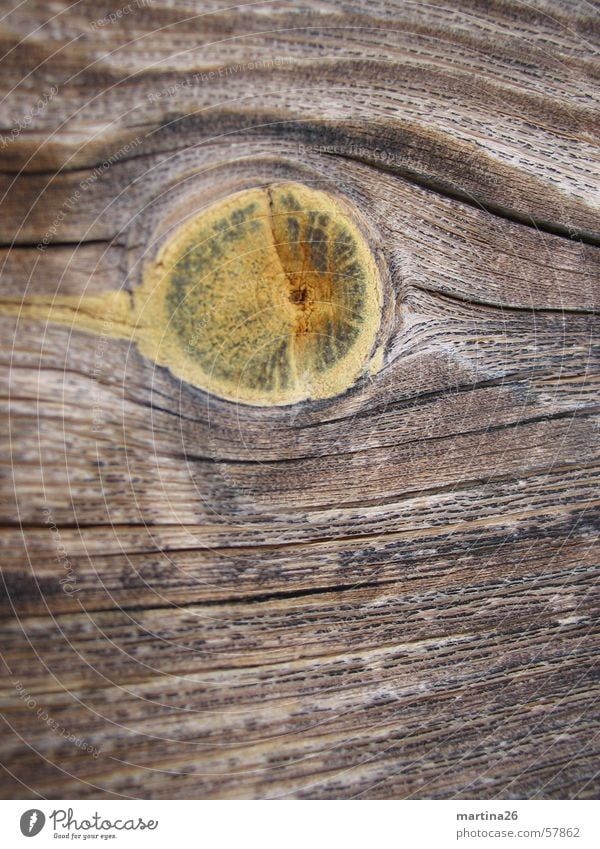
[{"x": 271, "y": 296}]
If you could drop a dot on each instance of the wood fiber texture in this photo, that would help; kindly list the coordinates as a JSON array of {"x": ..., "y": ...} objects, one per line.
[{"x": 391, "y": 593}]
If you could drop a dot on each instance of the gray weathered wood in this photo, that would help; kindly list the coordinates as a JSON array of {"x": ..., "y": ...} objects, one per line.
[{"x": 391, "y": 593}]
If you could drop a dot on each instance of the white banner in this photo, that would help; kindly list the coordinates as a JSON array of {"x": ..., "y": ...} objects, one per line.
[{"x": 301, "y": 825}]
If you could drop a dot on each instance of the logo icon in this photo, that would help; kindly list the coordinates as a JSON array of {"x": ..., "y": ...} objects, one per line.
[{"x": 32, "y": 822}]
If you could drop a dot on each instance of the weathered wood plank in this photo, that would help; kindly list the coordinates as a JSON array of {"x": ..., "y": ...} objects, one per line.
[{"x": 388, "y": 593}]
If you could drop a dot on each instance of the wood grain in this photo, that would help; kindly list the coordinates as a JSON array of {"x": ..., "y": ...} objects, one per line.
[{"x": 387, "y": 594}]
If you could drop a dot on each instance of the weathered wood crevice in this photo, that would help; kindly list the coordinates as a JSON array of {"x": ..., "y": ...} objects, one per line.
[
  {"x": 290, "y": 595},
  {"x": 478, "y": 302},
  {"x": 512, "y": 214},
  {"x": 328, "y": 137},
  {"x": 571, "y": 414},
  {"x": 23, "y": 246}
]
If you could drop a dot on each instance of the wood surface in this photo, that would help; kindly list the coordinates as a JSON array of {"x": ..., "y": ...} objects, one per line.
[{"x": 387, "y": 594}]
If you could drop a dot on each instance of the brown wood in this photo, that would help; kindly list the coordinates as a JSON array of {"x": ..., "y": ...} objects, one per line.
[{"x": 390, "y": 593}]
